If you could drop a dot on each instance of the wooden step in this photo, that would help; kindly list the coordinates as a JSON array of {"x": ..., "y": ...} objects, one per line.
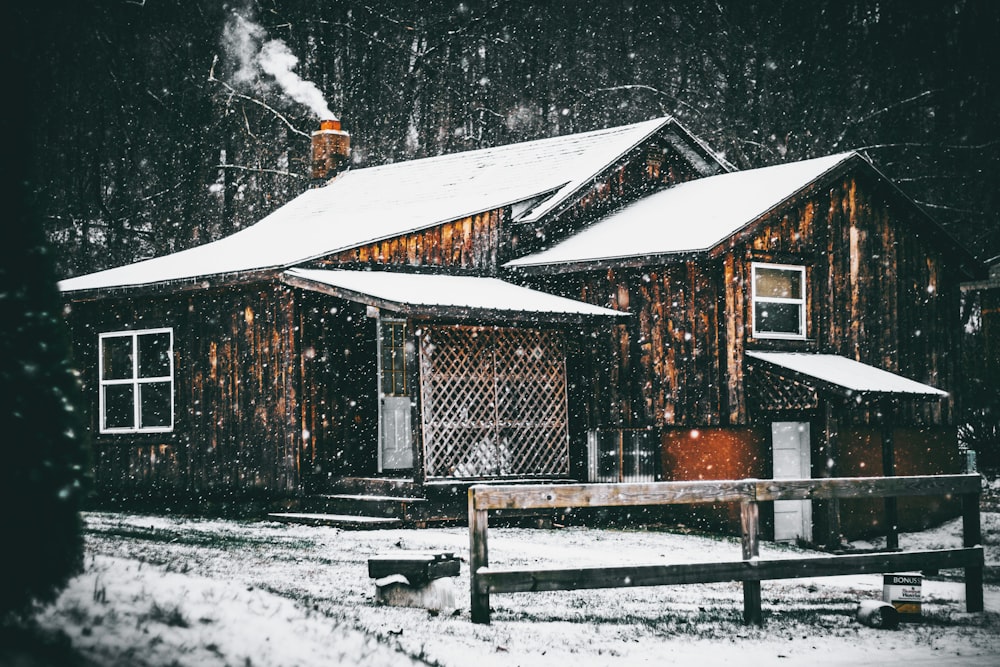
[
  {"x": 375, "y": 486},
  {"x": 361, "y": 504},
  {"x": 348, "y": 522},
  {"x": 365, "y": 497}
]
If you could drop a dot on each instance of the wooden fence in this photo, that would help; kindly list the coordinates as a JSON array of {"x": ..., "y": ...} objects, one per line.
[{"x": 750, "y": 570}]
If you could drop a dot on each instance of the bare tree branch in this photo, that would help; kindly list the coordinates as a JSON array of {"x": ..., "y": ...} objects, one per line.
[
  {"x": 642, "y": 86},
  {"x": 234, "y": 93},
  {"x": 894, "y": 105},
  {"x": 922, "y": 144},
  {"x": 260, "y": 170},
  {"x": 953, "y": 209}
]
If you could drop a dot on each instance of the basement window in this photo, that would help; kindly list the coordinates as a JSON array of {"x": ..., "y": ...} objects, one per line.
[
  {"x": 136, "y": 381},
  {"x": 779, "y": 301}
]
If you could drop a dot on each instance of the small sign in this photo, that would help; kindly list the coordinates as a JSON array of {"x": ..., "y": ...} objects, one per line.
[{"x": 903, "y": 591}]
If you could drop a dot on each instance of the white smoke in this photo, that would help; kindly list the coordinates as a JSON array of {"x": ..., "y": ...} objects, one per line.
[
  {"x": 246, "y": 42},
  {"x": 277, "y": 60}
]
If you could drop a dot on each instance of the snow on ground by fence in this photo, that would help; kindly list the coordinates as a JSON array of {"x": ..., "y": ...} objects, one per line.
[{"x": 163, "y": 591}]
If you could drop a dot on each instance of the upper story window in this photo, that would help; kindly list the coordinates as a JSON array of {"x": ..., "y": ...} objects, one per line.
[
  {"x": 136, "y": 381},
  {"x": 779, "y": 301}
]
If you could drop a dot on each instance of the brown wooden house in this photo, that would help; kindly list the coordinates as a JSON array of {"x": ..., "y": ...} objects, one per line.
[
  {"x": 612, "y": 305},
  {"x": 801, "y": 320}
]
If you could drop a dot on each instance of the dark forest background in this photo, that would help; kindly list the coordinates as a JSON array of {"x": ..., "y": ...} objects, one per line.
[{"x": 146, "y": 134}]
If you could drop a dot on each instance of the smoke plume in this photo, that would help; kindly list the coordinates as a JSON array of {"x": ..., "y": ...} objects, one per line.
[{"x": 256, "y": 56}]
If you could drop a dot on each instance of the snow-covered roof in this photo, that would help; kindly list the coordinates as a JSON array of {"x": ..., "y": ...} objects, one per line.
[
  {"x": 687, "y": 217},
  {"x": 849, "y": 374},
  {"x": 412, "y": 292},
  {"x": 366, "y": 205}
]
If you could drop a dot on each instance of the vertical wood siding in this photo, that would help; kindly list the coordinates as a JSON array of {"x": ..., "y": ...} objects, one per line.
[
  {"x": 236, "y": 385},
  {"x": 468, "y": 243},
  {"x": 879, "y": 292},
  {"x": 339, "y": 395},
  {"x": 661, "y": 368}
]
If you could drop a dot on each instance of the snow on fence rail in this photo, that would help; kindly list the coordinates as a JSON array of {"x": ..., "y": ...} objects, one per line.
[{"x": 750, "y": 570}]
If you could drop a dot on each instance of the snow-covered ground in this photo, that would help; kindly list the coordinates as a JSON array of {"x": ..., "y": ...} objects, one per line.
[{"x": 192, "y": 592}]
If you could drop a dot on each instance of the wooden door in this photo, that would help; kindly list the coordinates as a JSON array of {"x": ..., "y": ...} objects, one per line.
[
  {"x": 792, "y": 460},
  {"x": 395, "y": 425}
]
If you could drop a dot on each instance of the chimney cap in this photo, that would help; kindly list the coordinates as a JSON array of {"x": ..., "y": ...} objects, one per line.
[{"x": 329, "y": 124}]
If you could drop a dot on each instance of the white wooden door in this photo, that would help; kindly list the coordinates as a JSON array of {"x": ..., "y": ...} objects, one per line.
[
  {"x": 792, "y": 460},
  {"x": 395, "y": 451}
]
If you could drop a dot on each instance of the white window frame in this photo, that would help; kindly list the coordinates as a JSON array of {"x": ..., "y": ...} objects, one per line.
[
  {"x": 135, "y": 381},
  {"x": 800, "y": 302}
]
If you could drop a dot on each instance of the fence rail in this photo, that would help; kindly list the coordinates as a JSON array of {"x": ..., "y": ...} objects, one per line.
[{"x": 751, "y": 570}]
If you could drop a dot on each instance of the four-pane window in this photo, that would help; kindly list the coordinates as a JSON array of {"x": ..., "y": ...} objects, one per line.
[
  {"x": 779, "y": 301},
  {"x": 136, "y": 381}
]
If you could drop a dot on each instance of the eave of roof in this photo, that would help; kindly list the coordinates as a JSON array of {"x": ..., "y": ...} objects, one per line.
[
  {"x": 688, "y": 218},
  {"x": 368, "y": 205},
  {"x": 450, "y": 296}
]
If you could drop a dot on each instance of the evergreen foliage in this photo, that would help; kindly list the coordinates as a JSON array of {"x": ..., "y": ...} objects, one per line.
[
  {"x": 41, "y": 474},
  {"x": 42, "y": 442}
]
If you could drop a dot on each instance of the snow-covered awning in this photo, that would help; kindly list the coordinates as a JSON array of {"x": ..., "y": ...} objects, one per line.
[
  {"x": 844, "y": 376},
  {"x": 422, "y": 294}
]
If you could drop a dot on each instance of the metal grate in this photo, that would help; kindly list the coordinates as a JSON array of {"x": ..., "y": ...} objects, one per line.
[
  {"x": 622, "y": 455},
  {"x": 494, "y": 402}
]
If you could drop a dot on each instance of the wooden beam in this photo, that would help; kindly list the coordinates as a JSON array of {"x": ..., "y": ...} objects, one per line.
[
  {"x": 866, "y": 487},
  {"x": 889, "y": 470},
  {"x": 749, "y": 524},
  {"x": 830, "y": 451},
  {"x": 972, "y": 538},
  {"x": 413, "y": 380},
  {"x": 503, "y": 580},
  {"x": 553, "y": 496}
]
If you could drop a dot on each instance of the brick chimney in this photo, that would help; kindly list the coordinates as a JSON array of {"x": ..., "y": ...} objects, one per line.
[{"x": 331, "y": 149}]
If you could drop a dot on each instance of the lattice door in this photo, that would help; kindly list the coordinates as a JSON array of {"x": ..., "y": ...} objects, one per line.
[{"x": 494, "y": 402}]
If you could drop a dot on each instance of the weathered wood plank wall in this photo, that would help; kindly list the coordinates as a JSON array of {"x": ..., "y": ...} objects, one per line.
[
  {"x": 236, "y": 394},
  {"x": 469, "y": 243},
  {"x": 879, "y": 291},
  {"x": 338, "y": 406},
  {"x": 662, "y": 368}
]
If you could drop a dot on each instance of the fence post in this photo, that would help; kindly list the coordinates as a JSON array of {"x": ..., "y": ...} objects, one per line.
[
  {"x": 972, "y": 537},
  {"x": 749, "y": 525},
  {"x": 889, "y": 470},
  {"x": 478, "y": 557}
]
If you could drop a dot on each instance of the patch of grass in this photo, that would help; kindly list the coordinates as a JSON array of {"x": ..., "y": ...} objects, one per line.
[
  {"x": 169, "y": 616},
  {"x": 222, "y": 541}
]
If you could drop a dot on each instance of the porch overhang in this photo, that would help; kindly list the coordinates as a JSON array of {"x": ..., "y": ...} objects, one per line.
[
  {"x": 836, "y": 375},
  {"x": 458, "y": 297}
]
